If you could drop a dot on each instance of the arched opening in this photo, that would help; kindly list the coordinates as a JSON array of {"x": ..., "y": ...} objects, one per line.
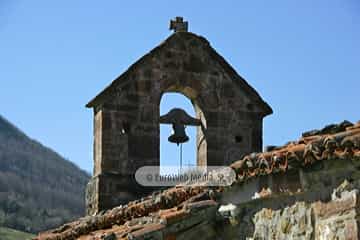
[{"x": 170, "y": 152}]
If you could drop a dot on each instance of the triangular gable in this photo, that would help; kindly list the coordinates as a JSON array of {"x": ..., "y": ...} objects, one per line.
[{"x": 238, "y": 80}]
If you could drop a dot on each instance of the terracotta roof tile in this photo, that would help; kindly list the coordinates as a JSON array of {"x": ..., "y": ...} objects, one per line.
[
  {"x": 154, "y": 212},
  {"x": 334, "y": 141},
  {"x": 147, "y": 229},
  {"x": 120, "y": 215},
  {"x": 173, "y": 215}
]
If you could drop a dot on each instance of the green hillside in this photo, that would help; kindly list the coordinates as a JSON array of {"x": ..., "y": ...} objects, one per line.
[
  {"x": 11, "y": 234},
  {"x": 39, "y": 189}
]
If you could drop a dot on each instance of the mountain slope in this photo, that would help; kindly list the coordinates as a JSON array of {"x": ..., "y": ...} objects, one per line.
[
  {"x": 11, "y": 234},
  {"x": 38, "y": 188}
]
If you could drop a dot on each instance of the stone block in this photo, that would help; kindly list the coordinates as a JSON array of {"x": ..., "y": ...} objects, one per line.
[{"x": 126, "y": 128}]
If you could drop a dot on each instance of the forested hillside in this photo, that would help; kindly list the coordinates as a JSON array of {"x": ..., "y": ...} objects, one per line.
[{"x": 38, "y": 188}]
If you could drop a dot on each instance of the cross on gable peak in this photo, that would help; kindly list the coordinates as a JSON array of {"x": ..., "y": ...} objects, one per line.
[{"x": 179, "y": 25}]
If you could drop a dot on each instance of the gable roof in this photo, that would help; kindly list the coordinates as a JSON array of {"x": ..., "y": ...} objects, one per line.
[
  {"x": 162, "y": 209},
  {"x": 181, "y": 36}
]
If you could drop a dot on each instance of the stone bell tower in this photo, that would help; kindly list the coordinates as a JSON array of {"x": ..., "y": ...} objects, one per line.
[{"x": 126, "y": 115}]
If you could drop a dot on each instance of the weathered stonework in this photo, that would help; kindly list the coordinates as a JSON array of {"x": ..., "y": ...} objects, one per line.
[
  {"x": 306, "y": 189},
  {"x": 289, "y": 223},
  {"x": 126, "y": 116},
  {"x": 336, "y": 219}
]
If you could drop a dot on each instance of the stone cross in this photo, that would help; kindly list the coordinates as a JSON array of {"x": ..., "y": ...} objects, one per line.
[{"x": 178, "y": 25}]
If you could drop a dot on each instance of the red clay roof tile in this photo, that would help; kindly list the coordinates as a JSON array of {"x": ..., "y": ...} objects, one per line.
[{"x": 334, "y": 141}]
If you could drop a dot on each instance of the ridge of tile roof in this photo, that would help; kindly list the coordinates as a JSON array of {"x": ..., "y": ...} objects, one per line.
[
  {"x": 334, "y": 141},
  {"x": 155, "y": 212}
]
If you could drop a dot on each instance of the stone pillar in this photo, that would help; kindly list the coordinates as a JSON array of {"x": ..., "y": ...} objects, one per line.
[{"x": 121, "y": 146}]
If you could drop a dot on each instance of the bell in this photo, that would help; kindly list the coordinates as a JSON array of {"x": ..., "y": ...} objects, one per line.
[
  {"x": 179, "y": 135},
  {"x": 179, "y": 118}
]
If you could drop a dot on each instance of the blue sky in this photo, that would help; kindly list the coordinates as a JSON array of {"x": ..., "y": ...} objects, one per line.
[{"x": 303, "y": 57}]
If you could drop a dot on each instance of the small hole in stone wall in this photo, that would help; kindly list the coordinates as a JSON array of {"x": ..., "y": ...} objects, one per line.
[
  {"x": 238, "y": 139},
  {"x": 126, "y": 128}
]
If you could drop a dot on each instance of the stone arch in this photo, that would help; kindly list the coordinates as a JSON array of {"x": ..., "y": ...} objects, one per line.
[
  {"x": 201, "y": 142},
  {"x": 170, "y": 152},
  {"x": 126, "y": 116}
]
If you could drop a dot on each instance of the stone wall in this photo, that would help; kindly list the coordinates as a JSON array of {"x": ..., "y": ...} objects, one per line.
[
  {"x": 319, "y": 203},
  {"x": 126, "y": 115},
  {"x": 306, "y": 189},
  {"x": 312, "y": 220}
]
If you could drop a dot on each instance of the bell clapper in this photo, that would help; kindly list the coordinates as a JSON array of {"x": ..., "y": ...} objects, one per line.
[{"x": 179, "y": 120}]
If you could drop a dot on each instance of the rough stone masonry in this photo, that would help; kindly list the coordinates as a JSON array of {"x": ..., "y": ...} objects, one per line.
[
  {"x": 305, "y": 190},
  {"x": 126, "y": 115}
]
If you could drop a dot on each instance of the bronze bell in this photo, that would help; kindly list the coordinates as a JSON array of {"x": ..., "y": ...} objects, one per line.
[
  {"x": 179, "y": 135},
  {"x": 179, "y": 118}
]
